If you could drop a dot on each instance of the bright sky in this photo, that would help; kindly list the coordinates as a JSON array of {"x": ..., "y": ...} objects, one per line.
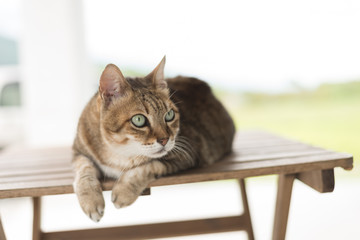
[{"x": 257, "y": 44}]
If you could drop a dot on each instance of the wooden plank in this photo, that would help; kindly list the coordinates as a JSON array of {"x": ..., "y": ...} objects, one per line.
[
  {"x": 25, "y": 151},
  {"x": 2, "y": 232},
  {"x": 37, "y": 177},
  {"x": 35, "y": 171},
  {"x": 36, "y": 233},
  {"x": 321, "y": 180},
  {"x": 235, "y": 162},
  {"x": 283, "y": 198},
  {"x": 157, "y": 230},
  {"x": 275, "y": 156},
  {"x": 36, "y": 189},
  {"x": 246, "y": 214},
  {"x": 278, "y": 149},
  {"x": 56, "y": 187},
  {"x": 244, "y": 170},
  {"x": 33, "y": 159}
]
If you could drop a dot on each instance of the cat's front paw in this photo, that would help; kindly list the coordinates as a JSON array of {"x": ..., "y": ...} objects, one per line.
[
  {"x": 124, "y": 194},
  {"x": 91, "y": 201}
]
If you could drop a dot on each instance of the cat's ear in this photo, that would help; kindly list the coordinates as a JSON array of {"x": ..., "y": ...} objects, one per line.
[
  {"x": 157, "y": 76},
  {"x": 112, "y": 83}
]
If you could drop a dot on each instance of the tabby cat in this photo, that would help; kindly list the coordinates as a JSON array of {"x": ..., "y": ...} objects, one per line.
[{"x": 135, "y": 130}]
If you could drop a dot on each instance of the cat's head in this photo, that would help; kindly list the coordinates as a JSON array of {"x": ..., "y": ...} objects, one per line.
[{"x": 136, "y": 114}]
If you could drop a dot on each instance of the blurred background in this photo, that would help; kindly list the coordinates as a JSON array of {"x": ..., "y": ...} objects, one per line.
[{"x": 288, "y": 67}]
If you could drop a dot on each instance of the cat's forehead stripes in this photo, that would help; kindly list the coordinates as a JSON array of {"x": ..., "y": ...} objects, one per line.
[
  {"x": 154, "y": 102},
  {"x": 143, "y": 103}
]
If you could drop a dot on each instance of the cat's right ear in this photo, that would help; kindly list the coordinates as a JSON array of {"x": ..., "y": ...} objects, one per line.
[{"x": 112, "y": 83}]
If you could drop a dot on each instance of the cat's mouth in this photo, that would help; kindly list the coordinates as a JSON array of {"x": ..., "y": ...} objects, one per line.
[{"x": 161, "y": 151}]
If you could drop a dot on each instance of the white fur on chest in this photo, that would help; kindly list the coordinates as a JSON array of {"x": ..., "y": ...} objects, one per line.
[
  {"x": 110, "y": 172},
  {"x": 118, "y": 158}
]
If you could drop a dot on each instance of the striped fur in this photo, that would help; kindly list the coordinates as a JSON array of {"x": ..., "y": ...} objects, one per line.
[{"x": 109, "y": 145}]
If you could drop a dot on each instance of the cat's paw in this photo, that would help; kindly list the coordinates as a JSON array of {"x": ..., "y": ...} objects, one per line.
[
  {"x": 92, "y": 202},
  {"x": 124, "y": 195}
]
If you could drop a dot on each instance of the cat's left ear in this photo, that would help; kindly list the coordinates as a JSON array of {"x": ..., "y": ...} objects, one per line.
[
  {"x": 157, "y": 77},
  {"x": 113, "y": 83}
]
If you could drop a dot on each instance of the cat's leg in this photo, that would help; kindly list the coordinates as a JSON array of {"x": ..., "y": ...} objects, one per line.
[
  {"x": 134, "y": 181},
  {"x": 88, "y": 188}
]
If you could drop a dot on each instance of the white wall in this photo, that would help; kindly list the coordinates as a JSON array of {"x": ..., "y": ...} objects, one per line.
[{"x": 54, "y": 70}]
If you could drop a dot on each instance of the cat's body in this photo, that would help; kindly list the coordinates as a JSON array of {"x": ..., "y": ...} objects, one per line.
[{"x": 138, "y": 129}]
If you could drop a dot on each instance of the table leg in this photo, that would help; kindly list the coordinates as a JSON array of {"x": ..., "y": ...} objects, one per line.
[
  {"x": 2, "y": 233},
  {"x": 246, "y": 213},
  {"x": 285, "y": 185},
  {"x": 37, "y": 218}
]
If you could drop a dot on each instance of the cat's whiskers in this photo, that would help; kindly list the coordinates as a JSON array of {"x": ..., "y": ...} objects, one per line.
[
  {"x": 176, "y": 103},
  {"x": 172, "y": 95},
  {"x": 183, "y": 148},
  {"x": 176, "y": 152}
]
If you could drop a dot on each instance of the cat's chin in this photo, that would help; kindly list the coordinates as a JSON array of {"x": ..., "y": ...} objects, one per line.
[{"x": 159, "y": 154}]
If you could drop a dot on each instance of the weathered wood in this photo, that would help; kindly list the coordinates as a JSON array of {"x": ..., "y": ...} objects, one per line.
[
  {"x": 36, "y": 171},
  {"x": 267, "y": 167},
  {"x": 283, "y": 198},
  {"x": 157, "y": 230},
  {"x": 39, "y": 172},
  {"x": 2, "y": 232},
  {"x": 38, "y": 177},
  {"x": 37, "y": 234},
  {"x": 246, "y": 213},
  {"x": 146, "y": 192},
  {"x": 270, "y": 150},
  {"x": 321, "y": 180},
  {"x": 52, "y": 187}
]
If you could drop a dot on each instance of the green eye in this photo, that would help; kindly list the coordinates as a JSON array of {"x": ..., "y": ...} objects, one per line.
[
  {"x": 138, "y": 120},
  {"x": 169, "y": 115}
]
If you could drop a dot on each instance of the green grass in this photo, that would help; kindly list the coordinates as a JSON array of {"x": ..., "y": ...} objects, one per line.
[{"x": 328, "y": 116}]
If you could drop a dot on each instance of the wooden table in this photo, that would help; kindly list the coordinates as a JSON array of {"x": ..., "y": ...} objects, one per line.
[{"x": 40, "y": 172}]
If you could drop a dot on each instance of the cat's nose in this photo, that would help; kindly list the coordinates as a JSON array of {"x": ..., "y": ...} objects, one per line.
[{"x": 163, "y": 141}]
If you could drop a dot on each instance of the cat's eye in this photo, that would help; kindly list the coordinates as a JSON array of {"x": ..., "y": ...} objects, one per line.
[
  {"x": 139, "y": 120},
  {"x": 170, "y": 116}
]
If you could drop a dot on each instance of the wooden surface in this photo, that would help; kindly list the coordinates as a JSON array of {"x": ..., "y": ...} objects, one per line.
[
  {"x": 38, "y": 172},
  {"x": 321, "y": 180},
  {"x": 168, "y": 229},
  {"x": 285, "y": 185},
  {"x": 248, "y": 224},
  {"x": 149, "y": 231},
  {"x": 155, "y": 230},
  {"x": 37, "y": 234},
  {"x": 2, "y": 233}
]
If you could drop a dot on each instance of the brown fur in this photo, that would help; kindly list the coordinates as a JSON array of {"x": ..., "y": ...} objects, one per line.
[{"x": 107, "y": 144}]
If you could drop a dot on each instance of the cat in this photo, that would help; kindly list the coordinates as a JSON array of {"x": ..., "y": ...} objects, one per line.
[{"x": 136, "y": 130}]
